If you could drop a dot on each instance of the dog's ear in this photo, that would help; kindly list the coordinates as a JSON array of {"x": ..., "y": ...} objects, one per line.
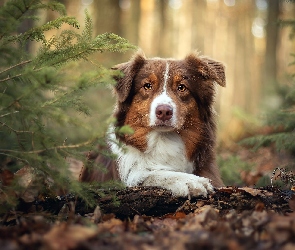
[
  {"x": 129, "y": 70},
  {"x": 217, "y": 70},
  {"x": 208, "y": 68}
]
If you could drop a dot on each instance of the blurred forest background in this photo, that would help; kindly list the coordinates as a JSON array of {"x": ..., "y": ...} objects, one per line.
[
  {"x": 245, "y": 35},
  {"x": 48, "y": 135}
]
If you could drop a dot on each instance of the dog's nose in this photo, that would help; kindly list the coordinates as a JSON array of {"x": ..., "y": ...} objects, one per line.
[{"x": 164, "y": 112}]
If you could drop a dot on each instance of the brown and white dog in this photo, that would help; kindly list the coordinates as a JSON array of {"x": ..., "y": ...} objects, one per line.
[{"x": 169, "y": 105}]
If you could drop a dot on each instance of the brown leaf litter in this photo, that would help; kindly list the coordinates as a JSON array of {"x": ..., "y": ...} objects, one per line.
[{"x": 230, "y": 218}]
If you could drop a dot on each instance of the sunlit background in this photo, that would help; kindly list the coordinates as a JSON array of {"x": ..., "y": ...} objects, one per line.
[{"x": 245, "y": 35}]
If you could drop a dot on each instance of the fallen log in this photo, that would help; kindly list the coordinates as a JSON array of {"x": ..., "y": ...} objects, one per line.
[{"x": 154, "y": 201}]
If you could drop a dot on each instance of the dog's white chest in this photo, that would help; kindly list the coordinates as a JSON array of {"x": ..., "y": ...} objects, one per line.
[{"x": 165, "y": 151}]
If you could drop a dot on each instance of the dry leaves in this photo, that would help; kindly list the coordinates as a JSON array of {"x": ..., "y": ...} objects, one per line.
[
  {"x": 64, "y": 236},
  {"x": 195, "y": 225},
  {"x": 231, "y": 218}
]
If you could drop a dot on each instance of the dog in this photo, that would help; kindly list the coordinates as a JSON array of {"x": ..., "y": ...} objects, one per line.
[{"x": 169, "y": 105}]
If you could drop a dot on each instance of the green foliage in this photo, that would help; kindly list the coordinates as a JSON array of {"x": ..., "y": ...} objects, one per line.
[
  {"x": 125, "y": 130},
  {"x": 282, "y": 122},
  {"x": 39, "y": 93},
  {"x": 231, "y": 168}
]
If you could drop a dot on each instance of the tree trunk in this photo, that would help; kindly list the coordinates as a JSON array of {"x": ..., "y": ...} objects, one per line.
[{"x": 270, "y": 63}]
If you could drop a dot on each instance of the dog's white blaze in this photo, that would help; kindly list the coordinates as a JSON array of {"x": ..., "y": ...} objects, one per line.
[
  {"x": 163, "y": 98},
  {"x": 166, "y": 76}
]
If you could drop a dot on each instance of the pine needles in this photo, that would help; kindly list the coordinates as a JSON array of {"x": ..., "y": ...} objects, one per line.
[
  {"x": 37, "y": 96},
  {"x": 282, "y": 123}
]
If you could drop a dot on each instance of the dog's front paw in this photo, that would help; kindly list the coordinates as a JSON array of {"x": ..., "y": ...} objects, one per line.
[
  {"x": 200, "y": 186},
  {"x": 181, "y": 184},
  {"x": 191, "y": 185}
]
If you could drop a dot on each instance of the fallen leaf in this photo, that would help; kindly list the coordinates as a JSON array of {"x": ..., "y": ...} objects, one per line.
[
  {"x": 176, "y": 216},
  {"x": 259, "y": 207},
  {"x": 64, "y": 236},
  {"x": 252, "y": 191},
  {"x": 163, "y": 224},
  {"x": 6, "y": 177},
  {"x": 111, "y": 226},
  {"x": 280, "y": 228},
  {"x": 97, "y": 215},
  {"x": 202, "y": 216},
  {"x": 75, "y": 167},
  {"x": 25, "y": 179},
  {"x": 292, "y": 202}
]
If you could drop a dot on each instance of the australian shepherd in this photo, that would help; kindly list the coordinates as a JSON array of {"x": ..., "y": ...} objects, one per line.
[{"x": 169, "y": 105}]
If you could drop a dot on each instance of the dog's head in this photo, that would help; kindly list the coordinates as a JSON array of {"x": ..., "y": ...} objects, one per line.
[{"x": 166, "y": 94}]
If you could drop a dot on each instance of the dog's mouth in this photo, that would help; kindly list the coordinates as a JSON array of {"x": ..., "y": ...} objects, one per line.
[{"x": 163, "y": 126}]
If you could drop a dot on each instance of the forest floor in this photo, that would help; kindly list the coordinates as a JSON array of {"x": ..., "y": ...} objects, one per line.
[{"x": 151, "y": 218}]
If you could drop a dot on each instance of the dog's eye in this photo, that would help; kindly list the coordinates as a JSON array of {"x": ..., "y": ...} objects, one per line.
[
  {"x": 181, "y": 88},
  {"x": 147, "y": 86}
]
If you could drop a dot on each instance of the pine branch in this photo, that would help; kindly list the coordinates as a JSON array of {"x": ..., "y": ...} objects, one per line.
[
  {"x": 15, "y": 12},
  {"x": 48, "y": 103},
  {"x": 79, "y": 145},
  {"x": 15, "y": 131},
  {"x": 17, "y": 100},
  {"x": 11, "y": 77},
  {"x": 41, "y": 91},
  {"x": 17, "y": 158},
  {"x": 102, "y": 43},
  {"x": 52, "y": 5},
  {"x": 14, "y": 66},
  {"x": 9, "y": 113}
]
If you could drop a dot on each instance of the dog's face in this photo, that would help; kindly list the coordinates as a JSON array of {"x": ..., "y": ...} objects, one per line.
[
  {"x": 162, "y": 97},
  {"x": 166, "y": 95}
]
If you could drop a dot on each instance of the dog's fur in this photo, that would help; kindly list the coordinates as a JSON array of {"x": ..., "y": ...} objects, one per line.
[{"x": 169, "y": 105}]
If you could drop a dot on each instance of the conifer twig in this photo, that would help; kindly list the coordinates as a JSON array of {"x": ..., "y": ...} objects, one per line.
[
  {"x": 10, "y": 78},
  {"x": 18, "y": 75},
  {"x": 46, "y": 149},
  {"x": 9, "y": 113},
  {"x": 13, "y": 156},
  {"x": 16, "y": 65},
  {"x": 15, "y": 131}
]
